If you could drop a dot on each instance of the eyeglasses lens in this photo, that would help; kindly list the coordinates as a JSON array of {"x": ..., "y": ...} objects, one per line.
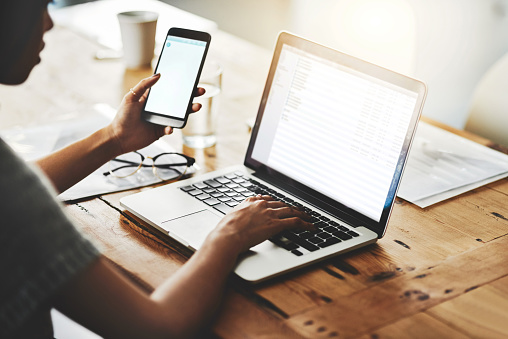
[
  {"x": 170, "y": 166},
  {"x": 125, "y": 165}
]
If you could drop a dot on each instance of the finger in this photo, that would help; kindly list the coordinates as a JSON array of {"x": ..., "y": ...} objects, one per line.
[
  {"x": 288, "y": 212},
  {"x": 199, "y": 91},
  {"x": 140, "y": 91},
  {"x": 266, "y": 197},
  {"x": 195, "y": 107},
  {"x": 293, "y": 223},
  {"x": 274, "y": 204},
  {"x": 168, "y": 130}
]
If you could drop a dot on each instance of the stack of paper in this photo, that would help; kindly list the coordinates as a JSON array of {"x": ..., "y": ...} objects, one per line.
[{"x": 442, "y": 165}]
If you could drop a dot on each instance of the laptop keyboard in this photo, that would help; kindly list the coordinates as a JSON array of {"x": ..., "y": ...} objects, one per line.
[{"x": 225, "y": 192}]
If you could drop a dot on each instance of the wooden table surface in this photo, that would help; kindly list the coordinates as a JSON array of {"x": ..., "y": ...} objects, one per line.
[{"x": 438, "y": 272}]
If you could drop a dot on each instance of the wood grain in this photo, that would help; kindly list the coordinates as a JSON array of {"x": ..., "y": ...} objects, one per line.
[
  {"x": 418, "y": 326},
  {"x": 483, "y": 311},
  {"x": 438, "y": 272}
]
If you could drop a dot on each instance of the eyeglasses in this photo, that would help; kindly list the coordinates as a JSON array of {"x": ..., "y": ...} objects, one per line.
[{"x": 165, "y": 166}]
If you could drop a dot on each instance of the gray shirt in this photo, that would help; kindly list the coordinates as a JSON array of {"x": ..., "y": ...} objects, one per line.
[{"x": 40, "y": 249}]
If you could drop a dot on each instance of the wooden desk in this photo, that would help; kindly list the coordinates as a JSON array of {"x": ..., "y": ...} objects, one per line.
[{"x": 438, "y": 272}]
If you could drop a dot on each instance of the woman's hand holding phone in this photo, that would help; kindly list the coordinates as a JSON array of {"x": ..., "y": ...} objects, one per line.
[{"x": 128, "y": 129}]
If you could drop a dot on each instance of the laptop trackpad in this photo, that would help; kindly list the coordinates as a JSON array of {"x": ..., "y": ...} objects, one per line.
[{"x": 192, "y": 228}]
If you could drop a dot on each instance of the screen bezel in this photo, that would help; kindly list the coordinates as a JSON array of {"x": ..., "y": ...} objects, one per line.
[
  {"x": 316, "y": 198},
  {"x": 169, "y": 120}
]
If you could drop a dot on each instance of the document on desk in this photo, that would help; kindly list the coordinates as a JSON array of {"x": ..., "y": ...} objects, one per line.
[
  {"x": 32, "y": 143},
  {"x": 442, "y": 165}
]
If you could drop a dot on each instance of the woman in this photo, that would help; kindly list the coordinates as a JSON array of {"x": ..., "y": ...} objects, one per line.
[{"x": 46, "y": 263}]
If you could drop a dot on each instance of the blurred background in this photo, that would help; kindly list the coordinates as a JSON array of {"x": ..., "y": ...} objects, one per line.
[{"x": 455, "y": 46}]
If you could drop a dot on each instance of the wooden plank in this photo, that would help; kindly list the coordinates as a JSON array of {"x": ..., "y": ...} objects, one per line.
[
  {"x": 500, "y": 186},
  {"x": 482, "y": 313},
  {"x": 384, "y": 303},
  {"x": 150, "y": 260},
  {"x": 239, "y": 318},
  {"x": 471, "y": 212},
  {"x": 418, "y": 326}
]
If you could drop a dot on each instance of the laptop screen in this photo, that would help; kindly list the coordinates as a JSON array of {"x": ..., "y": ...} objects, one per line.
[{"x": 335, "y": 129}]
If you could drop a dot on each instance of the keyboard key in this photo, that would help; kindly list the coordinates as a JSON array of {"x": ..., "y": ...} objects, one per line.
[
  {"x": 187, "y": 188},
  {"x": 238, "y": 180},
  {"x": 343, "y": 229},
  {"x": 209, "y": 190},
  {"x": 324, "y": 235},
  {"x": 320, "y": 224},
  {"x": 200, "y": 185},
  {"x": 213, "y": 183},
  {"x": 211, "y": 201},
  {"x": 217, "y": 194},
  {"x": 329, "y": 242},
  {"x": 232, "y": 185},
  {"x": 246, "y": 184},
  {"x": 305, "y": 235},
  {"x": 353, "y": 233},
  {"x": 222, "y": 180},
  {"x": 341, "y": 235},
  {"x": 248, "y": 194},
  {"x": 302, "y": 242},
  {"x": 230, "y": 176},
  {"x": 195, "y": 192},
  {"x": 296, "y": 252},
  {"x": 290, "y": 246},
  {"x": 315, "y": 240},
  {"x": 308, "y": 246},
  {"x": 223, "y": 208},
  {"x": 203, "y": 196},
  {"x": 240, "y": 189},
  {"x": 232, "y": 203},
  {"x": 330, "y": 229},
  {"x": 224, "y": 199},
  {"x": 231, "y": 193},
  {"x": 239, "y": 198}
]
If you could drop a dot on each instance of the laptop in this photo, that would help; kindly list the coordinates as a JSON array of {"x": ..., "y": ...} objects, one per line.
[{"x": 331, "y": 137}]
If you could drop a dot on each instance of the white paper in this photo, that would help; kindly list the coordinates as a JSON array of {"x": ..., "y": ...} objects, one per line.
[
  {"x": 97, "y": 183},
  {"x": 442, "y": 165},
  {"x": 35, "y": 142}
]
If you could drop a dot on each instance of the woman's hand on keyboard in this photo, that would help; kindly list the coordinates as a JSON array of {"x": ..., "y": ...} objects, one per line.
[{"x": 255, "y": 220}]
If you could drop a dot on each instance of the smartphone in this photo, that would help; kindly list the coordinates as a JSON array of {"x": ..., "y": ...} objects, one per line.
[{"x": 180, "y": 63}]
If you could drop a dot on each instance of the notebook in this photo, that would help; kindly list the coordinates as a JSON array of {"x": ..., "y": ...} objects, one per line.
[{"x": 332, "y": 136}]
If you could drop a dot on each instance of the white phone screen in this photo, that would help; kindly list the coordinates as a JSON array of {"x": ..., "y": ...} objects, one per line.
[{"x": 178, "y": 65}]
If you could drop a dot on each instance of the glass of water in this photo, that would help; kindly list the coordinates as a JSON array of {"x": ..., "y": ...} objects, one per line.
[{"x": 200, "y": 129}]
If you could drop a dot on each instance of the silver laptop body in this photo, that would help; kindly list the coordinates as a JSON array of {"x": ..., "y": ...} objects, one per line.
[{"x": 332, "y": 136}]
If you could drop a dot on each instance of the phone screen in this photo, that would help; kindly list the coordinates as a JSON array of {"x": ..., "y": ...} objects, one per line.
[{"x": 179, "y": 64}]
